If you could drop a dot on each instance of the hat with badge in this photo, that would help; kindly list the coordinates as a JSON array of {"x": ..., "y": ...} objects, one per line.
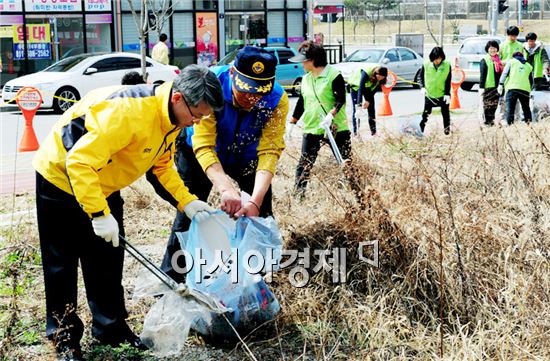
[{"x": 254, "y": 70}]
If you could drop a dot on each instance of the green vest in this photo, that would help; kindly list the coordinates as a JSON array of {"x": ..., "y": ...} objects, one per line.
[
  {"x": 518, "y": 78},
  {"x": 538, "y": 71},
  {"x": 490, "y": 79},
  {"x": 507, "y": 49},
  {"x": 355, "y": 77},
  {"x": 434, "y": 78},
  {"x": 317, "y": 94}
]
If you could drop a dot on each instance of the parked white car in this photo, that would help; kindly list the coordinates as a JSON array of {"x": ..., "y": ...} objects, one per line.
[
  {"x": 404, "y": 62},
  {"x": 73, "y": 77}
]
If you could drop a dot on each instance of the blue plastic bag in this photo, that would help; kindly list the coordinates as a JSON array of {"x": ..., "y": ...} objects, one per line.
[{"x": 251, "y": 301}]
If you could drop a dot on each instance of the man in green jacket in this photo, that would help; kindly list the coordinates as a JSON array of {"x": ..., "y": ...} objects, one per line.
[
  {"x": 510, "y": 45},
  {"x": 536, "y": 55},
  {"x": 517, "y": 81}
]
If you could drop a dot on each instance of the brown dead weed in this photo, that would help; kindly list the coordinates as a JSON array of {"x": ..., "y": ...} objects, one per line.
[{"x": 463, "y": 228}]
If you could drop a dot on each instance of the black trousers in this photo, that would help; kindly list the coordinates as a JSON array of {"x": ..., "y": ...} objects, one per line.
[
  {"x": 490, "y": 105},
  {"x": 311, "y": 144},
  {"x": 198, "y": 183},
  {"x": 356, "y": 122},
  {"x": 512, "y": 97},
  {"x": 67, "y": 237},
  {"x": 430, "y": 103}
]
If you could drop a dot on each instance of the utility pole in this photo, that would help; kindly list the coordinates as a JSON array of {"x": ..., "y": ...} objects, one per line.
[
  {"x": 442, "y": 23},
  {"x": 519, "y": 10},
  {"x": 310, "y": 19},
  {"x": 494, "y": 17}
]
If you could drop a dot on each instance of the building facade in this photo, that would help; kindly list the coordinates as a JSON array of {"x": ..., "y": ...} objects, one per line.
[{"x": 37, "y": 33}]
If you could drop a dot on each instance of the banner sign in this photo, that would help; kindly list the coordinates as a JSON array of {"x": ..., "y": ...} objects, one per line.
[
  {"x": 207, "y": 38},
  {"x": 36, "y": 33},
  {"x": 11, "y": 5},
  {"x": 35, "y": 51},
  {"x": 98, "y": 5},
  {"x": 53, "y": 5}
]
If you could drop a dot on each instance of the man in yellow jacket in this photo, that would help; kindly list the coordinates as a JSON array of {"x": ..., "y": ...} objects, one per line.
[{"x": 105, "y": 142}]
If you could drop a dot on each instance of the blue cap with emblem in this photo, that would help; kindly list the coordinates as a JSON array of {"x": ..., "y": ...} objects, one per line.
[{"x": 254, "y": 70}]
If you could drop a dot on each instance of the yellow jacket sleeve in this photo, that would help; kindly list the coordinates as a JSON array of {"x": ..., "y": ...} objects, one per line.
[
  {"x": 272, "y": 142},
  {"x": 204, "y": 142},
  {"x": 107, "y": 133},
  {"x": 270, "y": 146},
  {"x": 169, "y": 178}
]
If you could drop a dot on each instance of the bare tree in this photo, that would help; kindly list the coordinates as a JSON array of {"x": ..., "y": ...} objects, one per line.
[
  {"x": 453, "y": 10},
  {"x": 353, "y": 7},
  {"x": 428, "y": 24},
  {"x": 152, "y": 16},
  {"x": 374, "y": 9}
]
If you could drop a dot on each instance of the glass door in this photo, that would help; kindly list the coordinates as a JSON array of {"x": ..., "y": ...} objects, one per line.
[{"x": 244, "y": 28}]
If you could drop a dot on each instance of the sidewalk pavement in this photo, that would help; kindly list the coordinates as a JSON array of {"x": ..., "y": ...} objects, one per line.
[{"x": 16, "y": 173}]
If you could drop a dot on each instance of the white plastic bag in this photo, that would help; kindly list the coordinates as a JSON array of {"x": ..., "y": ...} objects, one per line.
[{"x": 168, "y": 322}]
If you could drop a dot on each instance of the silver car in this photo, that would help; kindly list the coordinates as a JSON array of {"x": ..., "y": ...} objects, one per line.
[{"x": 404, "y": 62}]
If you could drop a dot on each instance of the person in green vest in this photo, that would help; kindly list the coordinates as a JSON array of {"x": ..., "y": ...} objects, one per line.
[
  {"x": 364, "y": 82},
  {"x": 435, "y": 79},
  {"x": 322, "y": 103},
  {"x": 490, "y": 68},
  {"x": 517, "y": 81},
  {"x": 510, "y": 45},
  {"x": 536, "y": 55}
]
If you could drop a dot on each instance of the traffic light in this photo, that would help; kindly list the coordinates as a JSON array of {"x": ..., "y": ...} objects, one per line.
[
  {"x": 524, "y": 4},
  {"x": 502, "y": 6}
]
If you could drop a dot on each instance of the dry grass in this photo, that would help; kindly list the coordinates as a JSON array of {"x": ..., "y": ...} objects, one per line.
[{"x": 471, "y": 210}]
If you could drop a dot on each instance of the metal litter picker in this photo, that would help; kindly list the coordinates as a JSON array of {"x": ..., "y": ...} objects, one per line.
[
  {"x": 180, "y": 288},
  {"x": 334, "y": 146}
]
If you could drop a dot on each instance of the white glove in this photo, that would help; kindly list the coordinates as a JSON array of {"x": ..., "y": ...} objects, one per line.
[
  {"x": 481, "y": 91},
  {"x": 447, "y": 99},
  {"x": 423, "y": 92},
  {"x": 106, "y": 227},
  {"x": 500, "y": 89},
  {"x": 327, "y": 121},
  {"x": 198, "y": 210}
]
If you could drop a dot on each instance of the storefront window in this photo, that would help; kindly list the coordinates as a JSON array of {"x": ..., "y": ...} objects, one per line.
[
  {"x": 294, "y": 4},
  {"x": 10, "y": 66},
  {"x": 183, "y": 5},
  {"x": 51, "y": 38},
  {"x": 183, "y": 44},
  {"x": 295, "y": 28},
  {"x": 206, "y": 4},
  {"x": 276, "y": 4},
  {"x": 244, "y": 4},
  {"x": 130, "y": 35},
  {"x": 98, "y": 32},
  {"x": 244, "y": 28},
  {"x": 276, "y": 28}
]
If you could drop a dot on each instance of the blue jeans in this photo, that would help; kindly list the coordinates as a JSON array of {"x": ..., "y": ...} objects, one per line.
[{"x": 356, "y": 122}]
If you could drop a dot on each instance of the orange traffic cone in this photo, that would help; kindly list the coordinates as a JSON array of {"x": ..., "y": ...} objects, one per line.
[
  {"x": 385, "y": 107},
  {"x": 29, "y": 142},
  {"x": 455, "y": 102},
  {"x": 29, "y": 100}
]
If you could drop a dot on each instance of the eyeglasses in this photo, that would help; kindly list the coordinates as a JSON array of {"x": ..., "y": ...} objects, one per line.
[{"x": 191, "y": 112}]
